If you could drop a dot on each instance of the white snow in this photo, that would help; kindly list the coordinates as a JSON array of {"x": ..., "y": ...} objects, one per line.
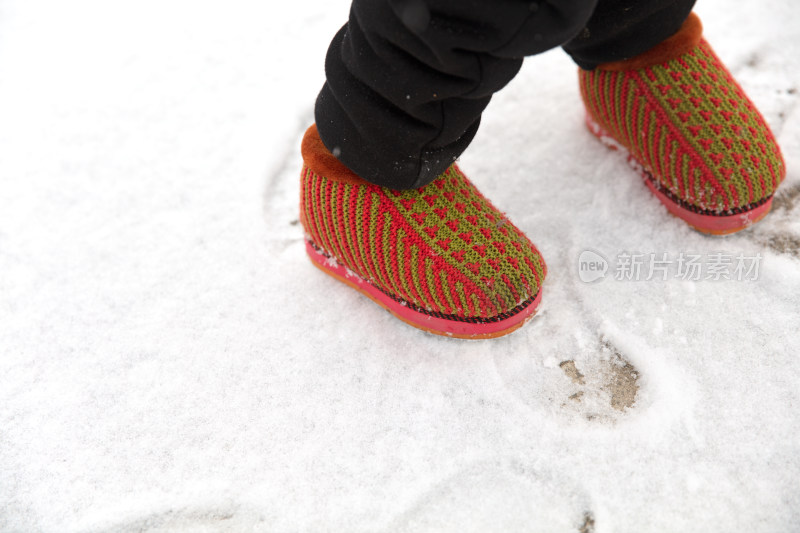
[{"x": 171, "y": 361}]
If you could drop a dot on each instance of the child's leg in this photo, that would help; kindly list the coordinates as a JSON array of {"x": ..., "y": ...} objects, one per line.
[
  {"x": 409, "y": 79},
  {"x": 621, "y": 29}
]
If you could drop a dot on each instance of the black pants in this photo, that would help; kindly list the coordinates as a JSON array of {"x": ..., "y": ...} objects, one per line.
[{"x": 407, "y": 80}]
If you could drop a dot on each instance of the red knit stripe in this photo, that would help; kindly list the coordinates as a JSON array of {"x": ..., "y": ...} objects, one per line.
[
  {"x": 317, "y": 200},
  {"x": 403, "y": 272},
  {"x": 483, "y": 306},
  {"x": 368, "y": 220},
  {"x": 305, "y": 187},
  {"x": 533, "y": 269},
  {"x": 356, "y": 215},
  {"x": 455, "y": 297},
  {"x": 616, "y": 106},
  {"x": 644, "y": 145},
  {"x": 311, "y": 226},
  {"x": 775, "y": 180},
  {"x": 525, "y": 284},
  {"x": 600, "y": 93},
  {"x": 346, "y": 226},
  {"x": 420, "y": 286},
  {"x": 384, "y": 262},
  {"x": 663, "y": 150},
  {"x": 748, "y": 179},
  {"x": 341, "y": 229},
  {"x": 687, "y": 182},
  {"x": 395, "y": 267},
  {"x": 636, "y": 118},
  {"x": 626, "y": 110},
  {"x": 734, "y": 194},
  {"x": 441, "y": 299},
  {"x": 514, "y": 292},
  {"x": 654, "y": 144},
  {"x": 423, "y": 282},
  {"x": 330, "y": 232},
  {"x": 672, "y": 164},
  {"x": 408, "y": 265},
  {"x": 610, "y": 102}
]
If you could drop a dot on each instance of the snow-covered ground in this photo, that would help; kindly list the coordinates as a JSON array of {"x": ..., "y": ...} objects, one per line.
[{"x": 171, "y": 361}]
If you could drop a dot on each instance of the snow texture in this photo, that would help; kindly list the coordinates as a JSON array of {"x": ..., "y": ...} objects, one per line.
[{"x": 171, "y": 361}]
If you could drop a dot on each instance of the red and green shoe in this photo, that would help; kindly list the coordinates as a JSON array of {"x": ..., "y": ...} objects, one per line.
[
  {"x": 703, "y": 148},
  {"x": 441, "y": 257}
]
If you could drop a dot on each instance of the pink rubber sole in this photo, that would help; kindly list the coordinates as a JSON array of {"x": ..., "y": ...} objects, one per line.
[
  {"x": 431, "y": 324},
  {"x": 712, "y": 224}
]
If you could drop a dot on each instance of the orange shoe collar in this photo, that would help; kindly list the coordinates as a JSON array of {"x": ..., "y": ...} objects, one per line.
[{"x": 322, "y": 162}]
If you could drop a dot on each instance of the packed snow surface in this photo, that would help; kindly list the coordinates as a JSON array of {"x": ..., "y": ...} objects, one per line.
[{"x": 170, "y": 360}]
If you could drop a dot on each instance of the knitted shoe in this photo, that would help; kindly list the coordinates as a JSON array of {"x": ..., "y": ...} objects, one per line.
[
  {"x": 440, "y": 257},
  {"x": 701, "y": 145}
]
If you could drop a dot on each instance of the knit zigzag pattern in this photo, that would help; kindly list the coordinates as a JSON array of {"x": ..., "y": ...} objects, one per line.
[
  {"x": 691, "y": 127},
  {"x": 442, "y": 250}
]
